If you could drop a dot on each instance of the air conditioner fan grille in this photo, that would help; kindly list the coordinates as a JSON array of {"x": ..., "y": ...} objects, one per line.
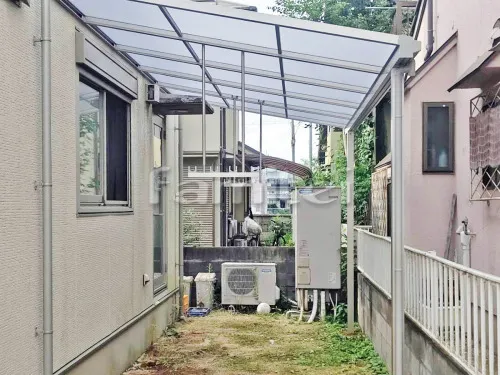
[{"x": 241, "y": 281}]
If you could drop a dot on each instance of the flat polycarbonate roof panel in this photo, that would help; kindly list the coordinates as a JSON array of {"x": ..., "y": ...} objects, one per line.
[
  {"x": 211, "y": 26},
  {"x": 124, "y": 11},
  {"x": 172, "y": 66},
  {"x": 329, "y": 74},
  {"x": 335, "y": 47},
  {"x": 324, "y": 92},
  {"x": 179, "y": 82},
  {"x": 154, "y": 43},
  {"x": 307, "y": 71},
  {"x": 219, "y": 74},
  {"x": 252, "y": 60}
]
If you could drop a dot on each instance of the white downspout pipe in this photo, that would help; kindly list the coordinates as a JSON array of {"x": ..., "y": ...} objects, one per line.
[
  {"x": 397, "y": 219},
  {"x": 300, "y": 301},
  {"x": 350, "y": 231},
  {"x": 180, "y": 155},
  {"x": 315, "y": 306},
  {"x": 45, "y": 41},
  {"x": 322, "y": 314}
]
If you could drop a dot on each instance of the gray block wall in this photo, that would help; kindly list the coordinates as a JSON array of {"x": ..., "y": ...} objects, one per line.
[
  {"x": 198, "y": 259},
  {"x": 422, "y": 355}
]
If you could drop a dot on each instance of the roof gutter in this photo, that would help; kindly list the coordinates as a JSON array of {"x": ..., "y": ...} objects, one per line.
[{"x": 430, "y": 29}]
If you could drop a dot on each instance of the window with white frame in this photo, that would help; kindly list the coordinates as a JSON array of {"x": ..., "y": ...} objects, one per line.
[
  {"x": 104, "y": 156},
  {"x": 159, "y": 251}
]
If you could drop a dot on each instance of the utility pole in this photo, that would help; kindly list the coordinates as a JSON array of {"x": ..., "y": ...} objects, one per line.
[{"x": 293, "y": 140}]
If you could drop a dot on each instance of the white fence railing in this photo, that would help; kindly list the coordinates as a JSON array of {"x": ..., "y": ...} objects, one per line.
[{"x": 453, "y": 304}]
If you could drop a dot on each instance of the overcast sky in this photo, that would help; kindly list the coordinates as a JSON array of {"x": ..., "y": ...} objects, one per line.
[{"x": 277, "y": 134}]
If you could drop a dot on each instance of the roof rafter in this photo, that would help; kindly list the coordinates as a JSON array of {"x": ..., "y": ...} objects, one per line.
[
  {"x": 267, "y": 103},
  {"x": 264, "y": 90},
  {"x": 190, "y": 49}
]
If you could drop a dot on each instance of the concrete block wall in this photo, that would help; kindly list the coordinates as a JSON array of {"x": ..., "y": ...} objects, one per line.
[
  {"x": 422, "y": 355},
  {"x": 199, "y": 259}
]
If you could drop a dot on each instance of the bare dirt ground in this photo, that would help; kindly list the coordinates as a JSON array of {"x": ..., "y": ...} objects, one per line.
[{"x": 236, "y": 344}]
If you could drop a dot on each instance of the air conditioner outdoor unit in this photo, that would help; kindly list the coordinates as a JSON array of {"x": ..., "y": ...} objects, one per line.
[{"x": 249, "y": 284}]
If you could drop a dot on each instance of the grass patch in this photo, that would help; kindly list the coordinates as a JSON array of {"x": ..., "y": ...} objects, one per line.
[
  {"x": 238, "y": 344},
  {"x": 341, "y": 348}
]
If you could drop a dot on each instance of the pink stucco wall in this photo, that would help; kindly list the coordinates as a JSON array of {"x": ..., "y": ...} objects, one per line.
[{"x": 428, "y": 197}]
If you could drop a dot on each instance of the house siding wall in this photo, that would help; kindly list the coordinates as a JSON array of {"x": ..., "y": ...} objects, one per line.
[
  {"x": 98, "y": 262},
  {"x": 192, "y": 130},
  {"x": 424, "y": 225},
  {"x": 434, "y": 189}
]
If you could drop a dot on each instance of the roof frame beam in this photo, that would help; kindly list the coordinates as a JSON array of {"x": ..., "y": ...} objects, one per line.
[
  {"x": 275, "y": 114},
  {"x": 335, "y": 63},
  {"x": 193, "y": 53},
  {"x": 267, "y": 103},
  {"x": 296, "y": 118},
  {"x": 237, "y": 69},
  {"x": 282, "y": 70},
  {"x": 264, "y": 90}
]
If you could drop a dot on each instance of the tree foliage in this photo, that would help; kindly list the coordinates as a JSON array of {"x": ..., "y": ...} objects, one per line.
[
  {"x": 350, "y": 13},
  {"x": 336, "y": 175}
]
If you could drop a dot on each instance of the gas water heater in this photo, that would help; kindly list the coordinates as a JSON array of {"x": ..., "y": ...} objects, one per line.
[{"x": 317, "y": 231}]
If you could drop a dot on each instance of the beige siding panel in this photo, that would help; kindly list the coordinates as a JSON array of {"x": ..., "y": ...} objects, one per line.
[{"x": 98, "y": 262}]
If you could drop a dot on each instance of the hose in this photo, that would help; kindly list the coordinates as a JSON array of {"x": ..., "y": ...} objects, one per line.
[
  {"x": 315, "y": 306},
  {"x": 299, "y": 294},
  {"x": 331, "y": 301}
]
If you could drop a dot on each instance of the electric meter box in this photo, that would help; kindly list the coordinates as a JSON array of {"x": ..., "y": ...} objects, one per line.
[{"x": 317, "y": 231}]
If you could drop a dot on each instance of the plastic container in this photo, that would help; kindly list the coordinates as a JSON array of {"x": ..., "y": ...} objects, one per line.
[
  {"x": 198, "y": 311},
  {"x": 205, "y": 289},
  {"x": 186, "y": 291}
]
